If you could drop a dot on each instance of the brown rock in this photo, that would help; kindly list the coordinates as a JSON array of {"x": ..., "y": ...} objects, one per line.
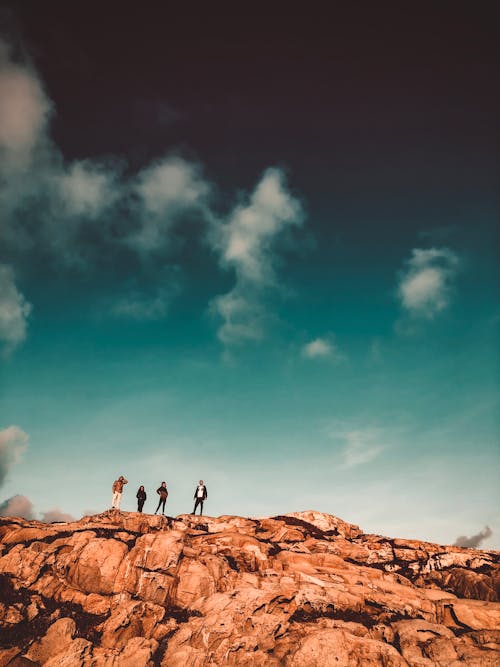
[{"x": 127, "y": 589}]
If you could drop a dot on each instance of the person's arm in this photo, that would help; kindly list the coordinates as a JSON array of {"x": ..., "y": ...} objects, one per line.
[
  {"x": 206, "y": 493},
  {"x": 125, "y": 481}
]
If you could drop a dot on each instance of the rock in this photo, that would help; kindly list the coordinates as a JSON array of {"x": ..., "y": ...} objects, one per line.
[{"x": 128, "y": 589}]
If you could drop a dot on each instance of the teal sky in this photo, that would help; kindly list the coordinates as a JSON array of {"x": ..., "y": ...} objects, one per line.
[{"x": 312, "y": 324}]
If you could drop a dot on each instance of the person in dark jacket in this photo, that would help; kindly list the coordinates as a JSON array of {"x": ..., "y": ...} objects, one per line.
[
  {"x": 141, "y": 498},
  {"x": 163, "y": 493},
  {"x": 200, "y": 495}
]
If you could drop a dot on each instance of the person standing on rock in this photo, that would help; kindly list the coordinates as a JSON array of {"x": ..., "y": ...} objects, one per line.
[
  {"x": 163, "y": 493},
  {"x": 117, "y": 488},
  {"x": 200, "y": 495},
  {"x": 141, "y": 498}
]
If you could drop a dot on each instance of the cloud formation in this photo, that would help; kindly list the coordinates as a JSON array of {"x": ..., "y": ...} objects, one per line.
[
  {"x": 14, "y": 311},
  {"x": 361, "y": 446},
  {"x": 56, "y": 515},
  {"x": 246, "y": 242},
  {"x": 18, "y": 506},
  {"x": 358, "y": 445},
  {"x": 13, "y": 442},
  {"x": 166, "y": 190},
  {"x": 474, "y": 541},
  {"x": 24, "y": 112},
  {"x": 425, "y": 286},
  {"x": 141, "y": 306},
  {"x": 322, "y": 348},
  {"x": 84, "y": 213},
  {"x": 243, "y": 316}
]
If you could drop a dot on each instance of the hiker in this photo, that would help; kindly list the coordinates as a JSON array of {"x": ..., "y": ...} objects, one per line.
[
  {"x": 163, "y": 493},
  {"x": 117, "y": 488},
  {"x": 141, "y": 498},
  {"x": 200, "y": 495}
]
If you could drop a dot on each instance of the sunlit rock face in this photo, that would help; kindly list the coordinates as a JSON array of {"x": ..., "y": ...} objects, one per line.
[{"x": 300, "y": 590}]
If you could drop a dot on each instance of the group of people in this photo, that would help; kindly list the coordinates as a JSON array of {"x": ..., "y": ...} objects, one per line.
[{"x": 200, "y": 495}]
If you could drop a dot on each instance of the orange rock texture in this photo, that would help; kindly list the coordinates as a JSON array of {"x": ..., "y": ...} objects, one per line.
[{"x": 301, "y": 590}]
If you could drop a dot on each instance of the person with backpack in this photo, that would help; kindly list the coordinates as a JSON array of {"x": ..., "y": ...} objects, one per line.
[
  {"x": 200, "y": 495},
  {"x": 163, "y": 493},
  {"x": 117, "y": 489},
  {"x": 141, "y": 498}
]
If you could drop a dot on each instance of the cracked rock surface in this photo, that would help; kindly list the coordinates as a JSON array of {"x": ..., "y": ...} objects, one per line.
[{"x": 302, "y": 589}]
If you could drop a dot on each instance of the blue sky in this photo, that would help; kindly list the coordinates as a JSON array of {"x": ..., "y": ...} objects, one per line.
[{"x": 302, "y": 327}]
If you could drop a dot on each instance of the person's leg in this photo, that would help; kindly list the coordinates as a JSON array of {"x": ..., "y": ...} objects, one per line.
[
  {"x": 201, "y": 506},
  {"x": 118, "y": 500},
  {"x": 197, "y": 502},
  {"x": 159, "y": 503},
  {"x": 163, "y": 508}
]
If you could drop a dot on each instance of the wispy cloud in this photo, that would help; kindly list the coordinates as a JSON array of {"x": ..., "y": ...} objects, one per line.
[
  {"x": 357, "y": 445},
  {"x": 361, "y": 447},
  {"x": 14, "y": 311},
  {"x": 13, "y": 442},
  {"x": 246, "y": 242},
  {"x": 425, "y": 286},
  {"x": 143, "y": 306},
  {"x": 324, "y": 348},
  {"x": 474, "y": 541}
]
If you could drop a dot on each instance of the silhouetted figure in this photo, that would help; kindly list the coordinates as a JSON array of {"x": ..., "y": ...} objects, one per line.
[
  {"x": 200, "y": 495},
  {"x": 141, "y": 498},
  {"x": 163, "y": 493},
  {"x": 117, "y": 488}
]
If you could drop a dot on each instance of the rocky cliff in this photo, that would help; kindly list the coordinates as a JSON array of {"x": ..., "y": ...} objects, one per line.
[{"x": 300, "y": 590}]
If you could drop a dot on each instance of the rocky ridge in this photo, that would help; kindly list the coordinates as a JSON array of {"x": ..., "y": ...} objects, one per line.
[{"x": 304, "y": 589}]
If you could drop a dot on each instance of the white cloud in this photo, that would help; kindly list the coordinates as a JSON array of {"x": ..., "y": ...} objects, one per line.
[
  {"x": 243, "y": 317},
  {"x": 18, "y": 506},
  {"x": 24, "y": 112},
  {"x": 322, "y": 348},
  {"x": 86, "y": 188},
  {"x": 14, "y": 311},
  {"x": 166, "y": 189},
  {"x": 425, "y": 287},
  {"x": 13, "y": 442},
  {"x": 246, "y": 242}
]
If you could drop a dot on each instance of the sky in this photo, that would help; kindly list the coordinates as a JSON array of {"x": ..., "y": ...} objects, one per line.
[{"x": 254, "y": 248}]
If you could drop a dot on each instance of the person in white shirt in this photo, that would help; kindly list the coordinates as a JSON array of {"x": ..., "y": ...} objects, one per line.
[{"x": 200, "y": 495}]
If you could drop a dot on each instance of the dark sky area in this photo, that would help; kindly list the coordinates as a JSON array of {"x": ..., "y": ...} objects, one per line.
[{"x": 367, "y": 97}]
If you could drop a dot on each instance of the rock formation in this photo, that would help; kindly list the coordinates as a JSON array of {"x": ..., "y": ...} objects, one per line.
[{"x": 301, "y": 590}]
